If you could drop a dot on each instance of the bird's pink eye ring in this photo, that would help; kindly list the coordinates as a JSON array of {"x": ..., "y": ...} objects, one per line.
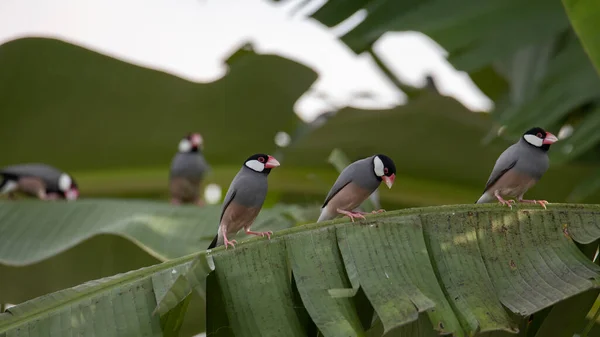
[
  {"x": 539, "y": 135},
  {"x": 261, "y": 159},
  {"x": 385, "y": 170}
]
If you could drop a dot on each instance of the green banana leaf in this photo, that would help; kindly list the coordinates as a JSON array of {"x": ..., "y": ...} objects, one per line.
[
  {"x": 583, "y": 16},
  {"x": 35, "y": 230},
  {"x": 89, "y": 239},
  {"x": 465, "y": 269},
  {"x": 121, "y": 305}
]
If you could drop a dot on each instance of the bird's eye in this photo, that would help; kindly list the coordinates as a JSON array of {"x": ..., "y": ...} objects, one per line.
[
  {"x": 539, "y": 135},
  {"x": 385, "y": 170},
  {"x": 261, "y": 159}
]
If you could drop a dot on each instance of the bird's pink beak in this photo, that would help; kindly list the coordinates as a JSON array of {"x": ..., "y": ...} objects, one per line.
[
  {"x": 196, "y": 139},
  {"x": 550, "y": 138},
  {"x": 272, "y": 162},
  {"x": 389, "y": 181},
  {"x": 72, "y": 194}
]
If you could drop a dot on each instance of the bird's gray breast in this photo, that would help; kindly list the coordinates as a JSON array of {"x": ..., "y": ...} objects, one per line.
[
  {"x": 188, "y": 165},
  {"x": 532, "y": 161},
  {"x": 251, "y": 188},
  {"x": 363, "y": 175}
]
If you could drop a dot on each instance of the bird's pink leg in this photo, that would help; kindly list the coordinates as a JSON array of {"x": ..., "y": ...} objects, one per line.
[
  {"x": 541, "y": 202},
  {"x": 267, "y": 233},
  {"x": 351, "y": 215},
  {"x": 502, "y": 201},
  {"x": 231, "y": 243},
  {"x": 42, "y": 195},
  {"x": 52, "y": 196}
]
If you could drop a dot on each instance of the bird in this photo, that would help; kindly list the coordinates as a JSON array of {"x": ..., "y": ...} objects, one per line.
[
  {"x": 188, "y": 168},
  {"x": 519, "y": 167},
  {"x": 244, "y": 199},
  {"x": 38, "y": 180},
  {"x": 355, "y": 184}
]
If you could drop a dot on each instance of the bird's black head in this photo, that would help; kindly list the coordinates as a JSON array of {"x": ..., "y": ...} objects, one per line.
[
  {"x": 262, "y": 163},
  {"x": 384, "y": 169},
  {"x": 539, "y": 138},
  {"x": 193, "y": 142}
]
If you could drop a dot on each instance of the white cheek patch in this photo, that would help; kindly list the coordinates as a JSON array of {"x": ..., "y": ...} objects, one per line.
[
  {"x": 185, "y": 145},
  {"x": 255, "y": 165},
  {"x": 378, "y": 167},
  {"x": 64, "y": 182},
  {"x": 8, "y": 187},
  {"x": 534, "y": 140}
]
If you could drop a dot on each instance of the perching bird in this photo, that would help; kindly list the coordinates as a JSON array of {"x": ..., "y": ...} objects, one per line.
[
  {"x": 188, "y": 169},
  {"x": 355, "y": 184},
  {"x": 244, "y": 199},
  {"x": 39, "y": 180},
  {"x": 519, "y": 167}
]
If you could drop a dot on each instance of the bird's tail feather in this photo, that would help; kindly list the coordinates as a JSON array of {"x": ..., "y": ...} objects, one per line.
[
  {"x": 326, "y": 215},
  {"x": 485, "y": 197},
  {"x": 213, "y": 244}
]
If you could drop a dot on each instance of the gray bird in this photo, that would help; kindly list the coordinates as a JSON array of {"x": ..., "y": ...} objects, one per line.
[
  {"x": 355, "y": 184},
  {"x": 244, "y": 199},
  {"x": 39, "y": 180},
  {"x": 519, "y": 167},
  {"x": 188, "y": 169}
]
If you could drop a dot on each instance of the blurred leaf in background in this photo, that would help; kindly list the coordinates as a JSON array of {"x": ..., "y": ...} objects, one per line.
[{"x": 528, "y": 46}]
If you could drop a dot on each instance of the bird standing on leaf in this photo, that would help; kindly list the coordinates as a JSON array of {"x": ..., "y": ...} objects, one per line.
[
  {"x": 188, "y": 169},
  {"x": 244, "y": 199},
  {"x": 355, "y": 184},
  {"x": 519, "y": 167},
  {"x": 39, "y": 180}
]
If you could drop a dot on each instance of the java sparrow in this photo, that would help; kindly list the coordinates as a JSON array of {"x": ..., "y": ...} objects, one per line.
[
  {"x": 355, "y": 184},
  {"x": 188, "y": 169},
  {"x": 244, "y": 199},
  {"x": 519, "y": 167},
  {"x": 39, "y": 180}
]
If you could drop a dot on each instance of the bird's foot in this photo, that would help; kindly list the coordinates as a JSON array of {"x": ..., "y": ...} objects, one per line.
[
  {"x": 503, "y": 201},
  {"x": 543, "y": 203},
  {"x": 351, "y": 215},
  {"x": 379, "y": 211},
  {"x": 263, "y": 234},
  {"x": 231, "y": 243}
]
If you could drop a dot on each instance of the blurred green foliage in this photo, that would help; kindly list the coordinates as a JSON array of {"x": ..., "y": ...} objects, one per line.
[
  {"x": 80, "y": 110},
  {"x": 116, "y": 127}
]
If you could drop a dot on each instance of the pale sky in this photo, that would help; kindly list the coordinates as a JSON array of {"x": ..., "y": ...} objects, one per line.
[{"x": 191, "y": 38}]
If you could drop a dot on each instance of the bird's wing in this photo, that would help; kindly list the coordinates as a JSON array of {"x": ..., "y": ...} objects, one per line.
[
  {"x": 507, "y": 160},
  {"x": 228, "y": 198},
  {"x": 339, "y": 184}
]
